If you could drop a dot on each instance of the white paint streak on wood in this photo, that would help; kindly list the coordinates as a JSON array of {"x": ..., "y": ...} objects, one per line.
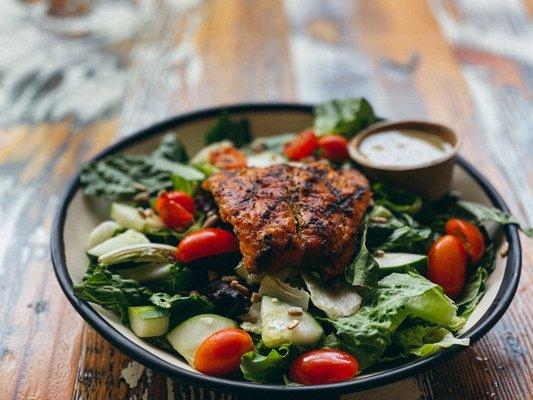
[
  {"x": 503, "y": 111},
  {"x": 163, "y": 67},
  {"x": 506, "y": 122},
  {"x": 56, "y": 67},
  {"x": 501, "y": 27},
  {"x": 132, "y": 373},
  {"x": 11, "y": 214}
]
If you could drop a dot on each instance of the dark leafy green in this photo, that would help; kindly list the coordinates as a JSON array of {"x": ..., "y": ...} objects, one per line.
[
  {"x": 181, "y": 279},
  {"x": 472, "y": 293},
  {"x": 267, "y": 365},
  {"x": 363, "y": 271},
  {"x": 112, "y": 292},
  {"x": 224, "y": 128},
  {"x": 122, "y": 176},
  {"x": 484, "y": 213},
  {"x": 344, "y": 116},
  {"x": 396, "y": 232},
  {"x": 182, "y": 307},
  {"x": 395, "y": 199},
  {"x": 172, "y": 149},
  {"x": 475, "y": 285}
]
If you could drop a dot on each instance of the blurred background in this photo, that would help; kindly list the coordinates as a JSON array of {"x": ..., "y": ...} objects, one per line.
[{"x": 76, "y": 75}]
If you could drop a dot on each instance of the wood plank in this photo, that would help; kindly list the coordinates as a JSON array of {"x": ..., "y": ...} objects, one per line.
[{"x": 39, "y": 331}]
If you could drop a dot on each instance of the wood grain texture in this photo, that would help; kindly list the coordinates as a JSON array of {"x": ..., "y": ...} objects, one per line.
[{"x": 464, "y": 63}]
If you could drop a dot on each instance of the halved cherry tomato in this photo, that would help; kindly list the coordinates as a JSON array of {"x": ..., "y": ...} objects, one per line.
[
  {"x": 221, "y": 353},
  {"x": 447, "y": 261},
  {"x": 176, "y": 209},
  {"x": 227, "y": 158},
  {"x": 301, "y": 146},
  {"x": 470, "y": 236},
  {"x": 182, "y": 198},
  {"x": 206, "y": 242},
  {"x": 334, "y": 147},
  {"x": 319, "y": 367}
]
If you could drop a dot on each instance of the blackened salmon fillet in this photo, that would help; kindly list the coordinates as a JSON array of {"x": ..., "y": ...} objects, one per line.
[{"x": 304, "y": 216}]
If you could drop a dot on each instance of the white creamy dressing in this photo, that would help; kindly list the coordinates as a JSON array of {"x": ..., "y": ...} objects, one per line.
[{"x": 405, "y": 148}]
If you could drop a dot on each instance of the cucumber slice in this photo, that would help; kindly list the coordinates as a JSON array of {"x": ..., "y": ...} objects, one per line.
[
  {"x": 127, "y": 238},
  {"x": 127, "y": 216},
  {"x": 130, "y": 217},
  {"x": 190, "y": 334},
  {"x": 147, "y": 272},
  {"x": 398, "y": 262},
  {"x": 148, "y": 321},
  {"x": 276, "y": 324},
  {"x": 105, "y": 230}
]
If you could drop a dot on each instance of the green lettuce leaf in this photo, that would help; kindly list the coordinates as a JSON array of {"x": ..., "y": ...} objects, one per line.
[
  {"x": 344, "y": 116},
  {"x": 484, "y": 213},
  {"x": 267, "y": 365},
  {"x": 224, "y": 128},
  {"x": 369, "y": 332},
  {"x": 422, "y": 340},
  {"x": 111, "y": 291},
  {"x": 363, "y": 271}
]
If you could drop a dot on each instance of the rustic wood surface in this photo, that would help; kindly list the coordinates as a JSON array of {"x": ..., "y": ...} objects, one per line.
[{"x": 71, "y": 86}]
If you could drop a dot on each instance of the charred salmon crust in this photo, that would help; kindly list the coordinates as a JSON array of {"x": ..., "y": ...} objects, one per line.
[{"x": 297, "y": 216}]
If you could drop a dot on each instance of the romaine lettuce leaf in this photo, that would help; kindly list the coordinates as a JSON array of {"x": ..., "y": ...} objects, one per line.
[
  {"x": 422, "y": 340},
  {"x": 368, "y": 333}
]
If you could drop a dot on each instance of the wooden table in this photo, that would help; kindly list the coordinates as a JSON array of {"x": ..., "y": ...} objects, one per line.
[{"x": 67, "y": 91}]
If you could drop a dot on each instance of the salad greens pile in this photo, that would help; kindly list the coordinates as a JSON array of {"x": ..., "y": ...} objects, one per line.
[{"x": 382, "y": 309}]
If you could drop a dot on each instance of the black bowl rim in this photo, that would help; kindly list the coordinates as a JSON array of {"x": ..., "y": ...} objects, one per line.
[{"x": 492, "y": 315}]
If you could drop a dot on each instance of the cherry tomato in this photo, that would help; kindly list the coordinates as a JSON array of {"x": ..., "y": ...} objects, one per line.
[
  {"x": 469, "y": 235},
  {"x": 182, "y": 198},
  {"x": 301, "y": 146},
  {"x": 318, "y": 367},
  {"x": 447, "y": 261},
  {"x": 227, "y": 158},
  {"x": 206, "y": 242},
  {"x": 334, "y": 147},
  {"x": 221, "y": 353},
  {"x": 176, "y": 209}
]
